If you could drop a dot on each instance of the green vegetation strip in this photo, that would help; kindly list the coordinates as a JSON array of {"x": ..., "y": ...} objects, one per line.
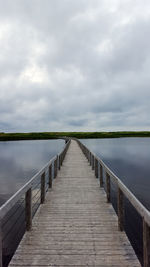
[{"x": 80, "y": 135}]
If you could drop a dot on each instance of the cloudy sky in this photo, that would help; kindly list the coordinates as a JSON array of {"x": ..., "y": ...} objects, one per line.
[{"x": 74, "y": 65}]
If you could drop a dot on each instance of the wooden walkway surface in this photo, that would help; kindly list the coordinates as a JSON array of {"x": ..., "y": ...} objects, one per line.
[{"x": 75, "y": 226}]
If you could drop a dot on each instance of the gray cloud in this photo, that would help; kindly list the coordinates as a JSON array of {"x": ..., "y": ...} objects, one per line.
[{"x": 74, "y": 65}]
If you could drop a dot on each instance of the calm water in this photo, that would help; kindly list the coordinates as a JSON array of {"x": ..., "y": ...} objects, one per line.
[
  {"x": 20, "y": 160},
  {"x": 129, "y": 159}
]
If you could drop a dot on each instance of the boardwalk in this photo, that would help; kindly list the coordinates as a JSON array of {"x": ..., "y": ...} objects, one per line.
[{"x": 75, "y": 226}]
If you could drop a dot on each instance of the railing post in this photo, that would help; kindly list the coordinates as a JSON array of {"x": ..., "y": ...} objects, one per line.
[
  {"x": 1, "y": 246},
  {"x": 50, "y": 176},
  {"x": 108, "y": 187},
  {"x": 59, "y": 160},
  {"x": 146, "y": 244},
  {"x": 96, "y": 168},
  {"x": 42, "y": 188},
  {"x": 90, "y": 158},
  {"x": 55, "y": 168},
  {"x": 28, "y": 209},
  {"x": 92, "y": 162},
  {"x": 120, "y": 210},
  {"x": 101, "y": 176}
]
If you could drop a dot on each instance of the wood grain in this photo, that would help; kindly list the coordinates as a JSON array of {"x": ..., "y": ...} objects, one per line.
[{"x": 75, "y": 226}]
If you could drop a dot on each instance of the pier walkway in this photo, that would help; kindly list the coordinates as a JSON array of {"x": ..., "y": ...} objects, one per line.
[{"x": 75, "y": 226}]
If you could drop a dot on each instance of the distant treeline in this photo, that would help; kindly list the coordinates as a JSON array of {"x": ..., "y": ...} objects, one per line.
[{"x": 55, "y": 135}]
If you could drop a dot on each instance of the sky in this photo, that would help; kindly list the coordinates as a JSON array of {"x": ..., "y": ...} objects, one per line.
[{"x": 74, "y": 65}]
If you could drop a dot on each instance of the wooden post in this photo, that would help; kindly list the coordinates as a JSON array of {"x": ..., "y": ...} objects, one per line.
[
  {"x": 55, "y": 168},
  {"x": 90, "y": 159},
  {"x": 50, "y": 176},
  {"x": 59, "y": 160},
  {"x": 101, "y": 176},
  {"x": 92, "y": 162},
  {"x": 28, "y": 209},
  {"x": 120, "y": 210},
  {"x": 96, "y": 168},
  {"x": 62, "y": 157},
  {"x": 108, "y": 187},
  {"x": 42, "y": 188},
  {"x": 1, "y": 246},
  {"x": 146, "y": 244}
]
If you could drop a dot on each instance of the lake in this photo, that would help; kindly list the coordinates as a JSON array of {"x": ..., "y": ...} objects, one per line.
[
  {"x": 20, "y": 160},
  {"x": 129, "y": 159}
]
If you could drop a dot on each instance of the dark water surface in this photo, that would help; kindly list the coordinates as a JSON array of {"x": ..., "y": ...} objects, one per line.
[
  {"x": 20, "y": 160},
  {"x": 129, "y": 159}
]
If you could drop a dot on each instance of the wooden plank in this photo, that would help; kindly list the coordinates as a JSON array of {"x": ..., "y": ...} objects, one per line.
[{"x": 75, "y": 226}]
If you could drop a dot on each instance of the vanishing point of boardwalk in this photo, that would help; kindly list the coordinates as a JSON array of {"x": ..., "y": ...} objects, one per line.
[{"x": 75, "y": 226}]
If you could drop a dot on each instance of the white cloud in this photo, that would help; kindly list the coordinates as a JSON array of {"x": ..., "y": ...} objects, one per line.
[{"x": 74, "y": 65}]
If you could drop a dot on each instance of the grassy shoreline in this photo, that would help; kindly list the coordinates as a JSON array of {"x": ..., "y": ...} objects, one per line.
[{"x": 55, "y": 135}]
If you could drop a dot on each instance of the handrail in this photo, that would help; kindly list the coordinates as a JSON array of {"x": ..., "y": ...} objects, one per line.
[
  {"x": 26, "y": 190},
  {"x": 128, "y": 194},
  {"x": 4, "y": 209},
  {"x": 122, "y": 191}
]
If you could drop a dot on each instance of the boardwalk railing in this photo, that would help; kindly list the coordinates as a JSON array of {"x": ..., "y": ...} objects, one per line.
[
  {"x": 122, "y": 191},
  {"x": 17, "y": 213}
]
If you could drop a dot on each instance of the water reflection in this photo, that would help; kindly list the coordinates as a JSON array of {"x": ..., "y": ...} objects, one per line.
[
  {"x": 129, "y": 159},
  {"x": 20, "y": 160}
]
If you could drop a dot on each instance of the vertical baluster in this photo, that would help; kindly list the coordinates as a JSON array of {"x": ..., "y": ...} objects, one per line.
[
  {"x": 50, "y": 176},
  {"x": 108, "y": 187},
  {"x": 42, "y": 188},
  {"x": 92, "y": 162},
  {"x": 28, "y": 209},
  {"x": 96, "y": 168},
  {"x": 101, "y": 176},
  {"x": 120, "y": 210},
  {"x": 90, "y": 159},
  {"x": 55, "y": 168},
  {"x": 59, "y": 161},
  {"x": 1, "y": 245},
  {"x": 146, "y": 244}
]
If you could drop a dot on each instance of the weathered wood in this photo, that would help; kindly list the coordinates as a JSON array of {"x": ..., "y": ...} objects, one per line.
[
  {"x": 120, "y": 210},
  {"x": 55, "y": 167},
  {"x": 28, "y": 209},
  {"x": 60, "y": 158},
  {"x": 6, "y": 207},
  {"x": 108, "y": 187},
  {"x": 50, "y": 176},
  {"x": 75, "y": 227},
  {"x": 1, "y": 247},
  {"x": 92, "y": 162},
  {"x": 101, "y": 176},
  {"x": 59, "y": 162},
  {"x": 96, "y": 168},
  {"x": 43, "y": 188},
  {"x": 90, "y": 158},
  {"x": 127, "y": 193},
  {"x": 146, "y": 244}
]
